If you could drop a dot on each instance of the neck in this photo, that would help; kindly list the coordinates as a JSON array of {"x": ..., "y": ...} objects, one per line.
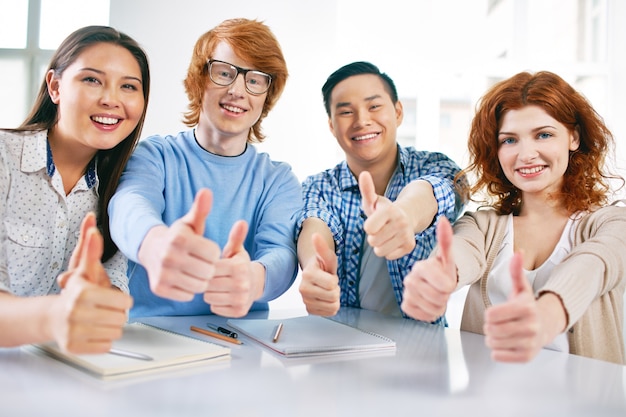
[
  {"x": 381, "y": 172},
  {"x": 542, "y": 206},
  {"x": 219, "y": 143},
  {"x": 70, "y": 159}
]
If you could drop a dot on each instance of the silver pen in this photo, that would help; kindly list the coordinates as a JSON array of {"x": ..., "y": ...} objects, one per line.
[{"x": 129, "y": 354}]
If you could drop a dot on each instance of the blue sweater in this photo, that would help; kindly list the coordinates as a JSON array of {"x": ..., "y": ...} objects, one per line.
[{"x": 158, "y": 187}]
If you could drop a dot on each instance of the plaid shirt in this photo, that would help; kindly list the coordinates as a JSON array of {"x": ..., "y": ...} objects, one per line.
[{"x": 334, "y": 197}]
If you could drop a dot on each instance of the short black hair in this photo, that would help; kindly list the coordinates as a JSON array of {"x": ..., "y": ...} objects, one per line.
[{"x": 350, "y": 70}]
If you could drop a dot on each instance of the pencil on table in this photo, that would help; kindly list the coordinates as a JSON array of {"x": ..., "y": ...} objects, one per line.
[{"x": 216, "y": 335}]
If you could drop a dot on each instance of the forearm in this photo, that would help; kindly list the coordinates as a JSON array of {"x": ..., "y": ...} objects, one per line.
[
  {"x": 258, "y": 280},
  {"x": 418, "y": 201},
  {"x": 149, "y": 246},
  {"x": 305, "y": 247},
  {"x": 552, "y": 315},
  {"x": 25, "y": 320}
]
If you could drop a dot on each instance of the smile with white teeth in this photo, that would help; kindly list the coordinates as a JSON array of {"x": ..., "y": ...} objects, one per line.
[
  {"x": 365, "y": 137},
  {"x": 233, "y": 109},
  {"x": 528, "y": 171},
  {"x": 105, "y": 120}
]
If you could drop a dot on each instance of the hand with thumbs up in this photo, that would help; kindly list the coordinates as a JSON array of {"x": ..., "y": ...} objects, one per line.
[
  {"x": 390, "y": 231},
  {"x": 320, "y": 284},
  {"x": 517, "y": 329},
  {"x": 237, "y": 281},
  {"x": 88, "y": 314},
  {"x": 179, "y": 260},
  {"x": 428, "y": 286}
]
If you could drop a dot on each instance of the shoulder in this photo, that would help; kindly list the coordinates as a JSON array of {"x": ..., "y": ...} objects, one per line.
[
  {"x": 262, "y": 161},
  {"x": 413, "y": 154},
  {"x": 613, "y": 216},
  {"x": 17, "y": 143},
  {"x": 483, "y": 217},
  {"x": 329, "y": 178}
]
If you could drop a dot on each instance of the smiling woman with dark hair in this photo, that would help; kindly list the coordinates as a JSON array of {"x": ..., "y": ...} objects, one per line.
[{"x": 59, "y": 166}]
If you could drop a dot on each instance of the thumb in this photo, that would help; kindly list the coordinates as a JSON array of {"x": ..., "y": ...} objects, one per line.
[
  {"x": 197, "y": 214},
  {"x": 88, "y": 222},
  {"x": 86, "y": 258},
  {"x": 235, "y": 239},
  {"x": 368, "y": 192},
  {"x": 518, "y": 278},
  {"x": 444, "y": 243},
  {"x": 325, "y": 256},
  {"x": 89, "y": 262}
]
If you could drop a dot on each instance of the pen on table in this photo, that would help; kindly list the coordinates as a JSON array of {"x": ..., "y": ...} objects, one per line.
[
  {"x": 216, "y": 335},
  {"x": 129, "y": 354},
  {"x": 279, "y": 329},
  {"x": 222, "y": 330}
]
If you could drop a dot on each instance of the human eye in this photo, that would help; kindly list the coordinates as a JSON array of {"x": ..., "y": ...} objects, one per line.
[
  {"x": 544, "y": 135},
  {"x": 223, "y": 71},
  {"x": 130, "y": 87},
  {"x": 90, "y": 80},
  {"x": 507, "y": 140}
]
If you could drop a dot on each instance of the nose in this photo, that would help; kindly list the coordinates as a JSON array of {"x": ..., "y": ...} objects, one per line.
[
  {"x": 362, "y": 118},
  {"x": 238, "y": 87},
  {"x": 110, "y": 97},
  {"x": 527, "y": 150}
]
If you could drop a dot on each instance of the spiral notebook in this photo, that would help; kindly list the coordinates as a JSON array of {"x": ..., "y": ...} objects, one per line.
[
  {"x": 310, "y": 336},
  {"x": 164, "y": 350}
]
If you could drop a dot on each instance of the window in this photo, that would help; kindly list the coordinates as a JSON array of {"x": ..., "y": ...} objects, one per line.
[{"x": 30, "y": 31}]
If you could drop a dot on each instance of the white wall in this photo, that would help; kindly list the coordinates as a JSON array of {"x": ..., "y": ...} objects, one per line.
[{"x": 432, "y": 49}]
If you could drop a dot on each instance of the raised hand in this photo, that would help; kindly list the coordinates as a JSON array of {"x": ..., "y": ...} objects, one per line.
[
  {"x": 428, "y": 286},
  {"x": 86, "y": 252},
  {"x": 513, "y": 329},
  {"x": 179, "y": 260},
  {"x": 88, "y": 314},
  {"x": 237, "y": 281},
  {"x": 388, "y": 227},
  {"x": 320, "y": 284}
]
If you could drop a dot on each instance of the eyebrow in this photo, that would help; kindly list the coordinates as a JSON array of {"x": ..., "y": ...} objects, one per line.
[
  {"x": 533, "y": 130},
  {"x": 347, "y": 103},
  {"x": 128, "y": 77}
]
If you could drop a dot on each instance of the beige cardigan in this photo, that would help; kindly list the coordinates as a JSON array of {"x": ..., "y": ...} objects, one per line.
[{"x": 590, "y": 279}]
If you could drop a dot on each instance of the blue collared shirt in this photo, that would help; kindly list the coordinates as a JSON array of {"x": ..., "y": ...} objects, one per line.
[{"x": 334, "y": 197}]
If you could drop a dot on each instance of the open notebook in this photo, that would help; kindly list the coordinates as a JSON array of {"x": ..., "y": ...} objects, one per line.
[
  {"x": 167, "y": 350},
  {"x": 311, "y": 335}
]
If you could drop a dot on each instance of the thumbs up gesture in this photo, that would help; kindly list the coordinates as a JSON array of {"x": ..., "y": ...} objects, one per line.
[
  {"x": 428, "y": 286},
  {"x": 237, "y": 281},
  {"x": 514, "y": 329},
  {"x": 320, "y": 284},
  {"x": 179, "y": 260},
  {"x": 88, "y": 314},
  {"x": 388, "y": 227}
]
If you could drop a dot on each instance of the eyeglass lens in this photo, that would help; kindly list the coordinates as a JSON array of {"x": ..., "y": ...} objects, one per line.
[{"x": 257, "y": 82}]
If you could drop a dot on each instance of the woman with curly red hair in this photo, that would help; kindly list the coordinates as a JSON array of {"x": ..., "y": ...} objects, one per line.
[{"x": 545, "y": 255}]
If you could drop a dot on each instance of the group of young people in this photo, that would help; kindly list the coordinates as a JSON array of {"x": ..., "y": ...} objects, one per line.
[{"x": 97, "y": 225}]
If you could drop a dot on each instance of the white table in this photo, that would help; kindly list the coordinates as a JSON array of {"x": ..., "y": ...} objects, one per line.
[{"x": 434, "y": 372}]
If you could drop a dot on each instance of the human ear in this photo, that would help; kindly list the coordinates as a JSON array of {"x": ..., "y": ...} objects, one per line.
[
  {"x": 575, "y": 139},
  {"x": 53, "y": 86},
  {"x": 399, "y": 113}
]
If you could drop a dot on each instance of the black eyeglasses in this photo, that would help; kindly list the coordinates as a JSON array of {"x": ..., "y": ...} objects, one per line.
[{"x": 222, "y": 73}]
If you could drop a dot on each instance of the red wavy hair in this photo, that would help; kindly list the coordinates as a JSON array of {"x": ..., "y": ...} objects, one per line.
[
  {"x": 585, "y": 184},
  {"x": 253, "y": 42}
]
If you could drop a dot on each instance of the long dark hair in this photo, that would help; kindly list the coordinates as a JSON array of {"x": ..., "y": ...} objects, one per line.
[{"x": 44, "y": 114}]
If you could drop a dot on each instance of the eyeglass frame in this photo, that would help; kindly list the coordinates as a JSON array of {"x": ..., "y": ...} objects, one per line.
[{"x": 243, "y": 71}]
